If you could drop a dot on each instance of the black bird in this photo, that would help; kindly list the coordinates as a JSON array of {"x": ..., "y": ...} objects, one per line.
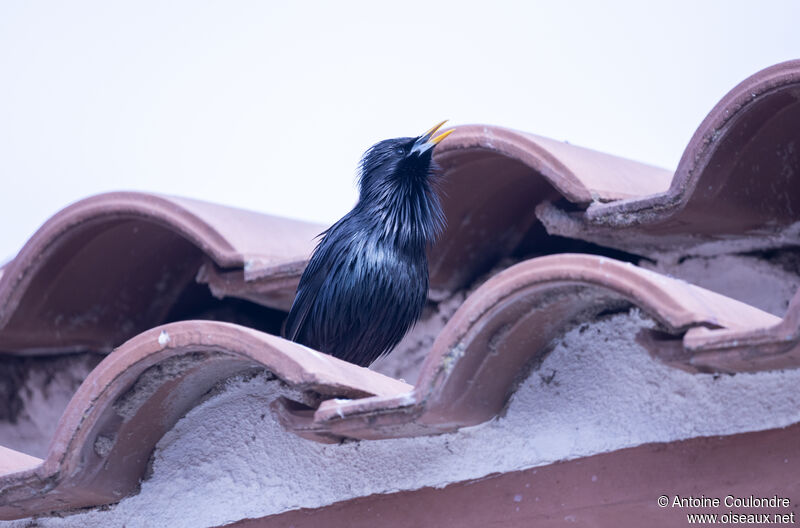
[{"x": 367, "y": 281}]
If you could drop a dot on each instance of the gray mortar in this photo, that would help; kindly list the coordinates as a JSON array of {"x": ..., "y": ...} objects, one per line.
[
  {"x": 127, "y": 405},
  {"x": 103, "y": 445},
  {"x": 765, "y": 284}
]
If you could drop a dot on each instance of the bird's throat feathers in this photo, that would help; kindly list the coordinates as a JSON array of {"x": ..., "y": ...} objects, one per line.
[
  {"x": 398, "y": 198},
  {"x": 401, "y": 202}
]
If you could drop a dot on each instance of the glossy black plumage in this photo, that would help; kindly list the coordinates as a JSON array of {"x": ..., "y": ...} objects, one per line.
[{"x": 367, "y": 281}]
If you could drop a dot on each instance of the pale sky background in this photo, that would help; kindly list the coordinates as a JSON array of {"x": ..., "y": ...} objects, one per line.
[{"x": 269, "y": 106}]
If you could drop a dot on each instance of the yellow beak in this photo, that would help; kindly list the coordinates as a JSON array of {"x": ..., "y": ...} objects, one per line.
[{"x": 425, "y": 143}]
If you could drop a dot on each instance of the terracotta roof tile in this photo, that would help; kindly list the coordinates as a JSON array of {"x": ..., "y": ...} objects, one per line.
[
  {"x": 719, "y": 190},
  {"x": 104, "y": 438},
  {"x": 494, "y": 177},
  {"x": 111, "y": 266},
  {"x": 505, "y": 326},
  {"x": 581, "y": 175},
  {"x": 767, "y": 347}
]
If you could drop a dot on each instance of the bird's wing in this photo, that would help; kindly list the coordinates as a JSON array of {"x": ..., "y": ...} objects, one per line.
[{"x": 310, "y": 284}]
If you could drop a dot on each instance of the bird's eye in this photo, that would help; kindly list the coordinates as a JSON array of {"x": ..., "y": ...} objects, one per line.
[{"x": 400, "y": 151}]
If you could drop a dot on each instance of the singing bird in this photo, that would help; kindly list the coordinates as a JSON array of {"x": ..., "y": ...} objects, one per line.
[{"x": 367, "y": 281}]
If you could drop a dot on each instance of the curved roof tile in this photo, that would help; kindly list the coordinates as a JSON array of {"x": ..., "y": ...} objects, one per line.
[
  {"x": 579, "y": 174},
  {"x": 739, "y": 177},
  {"x": 506, "y": 326},
  {"x": 111, "y": 266},
  {"x": 111, "y": 425},
  {"x": 750, "y": 136},
  {"x": 495, "y": 177},
  {"x": 769, "y": 347},
  {"x": 108, "y": 431}
]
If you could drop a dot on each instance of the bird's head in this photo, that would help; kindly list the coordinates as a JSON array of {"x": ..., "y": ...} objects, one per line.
[{"x": 399, "y": 162}]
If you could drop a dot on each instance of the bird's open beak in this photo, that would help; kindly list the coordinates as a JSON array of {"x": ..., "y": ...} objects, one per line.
[{"x": 426, "y": 141}]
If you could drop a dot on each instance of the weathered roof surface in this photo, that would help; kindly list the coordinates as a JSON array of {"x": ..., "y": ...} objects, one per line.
[
  {"x": 579, "y": 174},
  {"x": 619, "y": 488},
  {"x": 104, "y": 273},
  {"x": 738, "y": 179},
  {"x": 113, "y": 265},
  {"x": 136, "y": 394},
  {"x": 505, "y": 326},
  {"x": 103, "y": 442},
  {"x": 494, "y": 177}
]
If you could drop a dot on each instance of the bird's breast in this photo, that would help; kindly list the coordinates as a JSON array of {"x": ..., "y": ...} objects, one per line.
[{"x": 371, "y": 270}]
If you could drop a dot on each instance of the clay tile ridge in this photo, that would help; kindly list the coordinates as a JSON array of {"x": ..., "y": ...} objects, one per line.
[
  {"x": 115, "y": 264},
  {"x": 505, "y": 327},
  {"x": 501, "y": 184},
  {"x": 739, "y": 177},
  {"x": 111, "y": 266},
  {"x": 770, "y": 347},
  {"x": 110, "y": 427},
  {"x": 494, "y": 179}
]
